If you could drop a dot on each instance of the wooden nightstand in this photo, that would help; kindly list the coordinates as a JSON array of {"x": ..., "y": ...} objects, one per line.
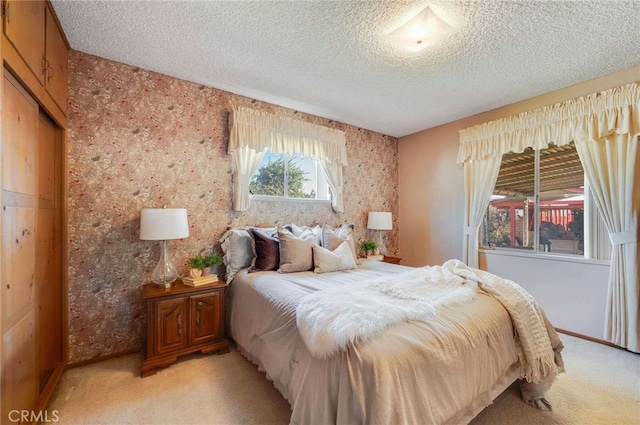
[
  {"x": 392, "y": 260},
  {"x": 182, "y": 320}
]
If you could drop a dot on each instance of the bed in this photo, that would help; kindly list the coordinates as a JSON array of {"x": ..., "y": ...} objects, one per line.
[{"x": 440, "y": 369}]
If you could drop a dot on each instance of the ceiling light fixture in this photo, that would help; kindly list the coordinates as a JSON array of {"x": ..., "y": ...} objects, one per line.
[{"x": 423, "y": 30}]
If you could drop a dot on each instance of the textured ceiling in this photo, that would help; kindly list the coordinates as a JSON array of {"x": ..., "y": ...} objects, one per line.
[{"x": 332, "y": 59}]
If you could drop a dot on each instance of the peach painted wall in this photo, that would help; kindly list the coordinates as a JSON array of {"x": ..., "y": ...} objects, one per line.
[
  {"x": 432, "y": 205},
  {"x": 138, "y": 139}
]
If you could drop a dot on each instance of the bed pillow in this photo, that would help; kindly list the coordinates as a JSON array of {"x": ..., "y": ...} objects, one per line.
[
  {"x": 332, "y": 261},
  {"x": 237, "y": 246},
  {"x": 266, "y": 249},
  {"x": 332, "y": 238},
  {"x": 296, "y": 254},
  {"x": 298, "y": 230}
]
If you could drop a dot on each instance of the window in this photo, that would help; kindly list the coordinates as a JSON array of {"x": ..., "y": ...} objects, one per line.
[
  {"x": 289, "y": 176},
  {"x": 545, "y": 188}
]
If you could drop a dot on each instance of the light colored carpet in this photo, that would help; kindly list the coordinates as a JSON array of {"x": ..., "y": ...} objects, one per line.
[{"x": 601, "y": 386}]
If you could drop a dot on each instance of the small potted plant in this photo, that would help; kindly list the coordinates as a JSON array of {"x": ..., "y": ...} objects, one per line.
[
  {"x": 369, "y": 247},
  {"x": 196, "y": 264},
  {"x": 210, "y": 261}
]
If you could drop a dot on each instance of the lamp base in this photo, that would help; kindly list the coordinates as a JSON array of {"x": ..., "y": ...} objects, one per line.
[{"x": 165, "y": 272}]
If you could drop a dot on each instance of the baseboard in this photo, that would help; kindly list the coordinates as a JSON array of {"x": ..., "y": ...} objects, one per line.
[
  {"x": 101, "y": 358},
  {"x": 589, "y": 338},
  {"x": 50, "y": 386}
]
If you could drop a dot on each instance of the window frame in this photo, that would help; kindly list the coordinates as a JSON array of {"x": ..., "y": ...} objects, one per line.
[
  {"x": 535, "y": 249},
  {"x": 320, "y": 177}
]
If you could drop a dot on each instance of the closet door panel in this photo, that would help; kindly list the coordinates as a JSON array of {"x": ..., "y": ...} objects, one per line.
[
  {"x": 19, "y": 377},
  {"x": 49, "y": 270},
  {"x": 19, "y": 134},
  {"x": 18, "y": 248},
  {"x": 46, "y": 161}
]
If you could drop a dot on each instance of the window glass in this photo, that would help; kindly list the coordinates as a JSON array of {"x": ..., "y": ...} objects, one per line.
[
  {"x": 561, "y": 216},
  {"x": 555, "y": 178},
  {"x": 290, "y": 176},
  {"x": 509, "y": 218}
]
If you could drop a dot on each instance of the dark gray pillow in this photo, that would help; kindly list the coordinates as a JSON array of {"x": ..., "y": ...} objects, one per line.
[{"x": 267, "y": 250}]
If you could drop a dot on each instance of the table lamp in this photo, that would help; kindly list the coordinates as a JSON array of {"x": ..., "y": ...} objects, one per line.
[
  {"x": 380, "y": 221},
  {"x": 163, "y": 224}
]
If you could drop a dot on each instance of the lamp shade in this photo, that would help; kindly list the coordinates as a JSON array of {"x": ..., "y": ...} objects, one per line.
[
  {"x": 161, "y": 224},
  {"x": 380, "y": 221}
]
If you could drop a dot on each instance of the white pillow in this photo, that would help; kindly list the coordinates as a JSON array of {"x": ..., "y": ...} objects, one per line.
[
  {"x": 237, "y": 246},
  {"x": 332, "y": 238},
  {"x": 331, "y": 261},
  {"x": 302, "y": 230}
]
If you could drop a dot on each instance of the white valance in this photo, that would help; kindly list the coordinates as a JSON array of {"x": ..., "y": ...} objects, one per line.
[
  {"x": 260, "y": 130},
  {"x": 586, "y": 118},
  {"x": 252, "y": 132}
]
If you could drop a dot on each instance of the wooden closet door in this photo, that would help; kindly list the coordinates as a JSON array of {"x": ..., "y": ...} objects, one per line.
[
  {"x": 49, "y": 255},
  {"x": 19, "y": 204}
]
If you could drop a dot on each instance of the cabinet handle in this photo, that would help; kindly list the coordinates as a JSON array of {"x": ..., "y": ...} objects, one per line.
[
  {"x": 198, "y": 319},
  {"x": 180, "y": 323},
  {"x": 47, "y": 69}
]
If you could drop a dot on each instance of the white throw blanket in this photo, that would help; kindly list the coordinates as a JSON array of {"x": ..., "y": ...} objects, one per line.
[{"x": 331, "y": 319}]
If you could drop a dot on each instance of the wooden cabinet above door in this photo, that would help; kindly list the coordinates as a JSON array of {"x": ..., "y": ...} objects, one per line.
[
  {"x": 24, "y": 27},
  {"x": 32, "y": 29},
  {"x": 56, "y": 54}
]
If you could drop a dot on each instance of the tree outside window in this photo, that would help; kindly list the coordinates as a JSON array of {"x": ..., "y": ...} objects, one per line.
[{"x": 289, "y": 176}]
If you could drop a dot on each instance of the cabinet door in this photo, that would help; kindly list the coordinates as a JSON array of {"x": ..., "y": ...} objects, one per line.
[
  {"x": 24, "y": 27},
  {"x": 56, "y": 54},
  {"x": 207, "y": 317},
  {"x": 170, "y": 326}
]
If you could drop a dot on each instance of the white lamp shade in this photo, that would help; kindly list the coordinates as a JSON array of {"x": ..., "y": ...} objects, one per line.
[
  {"x": 161, "y": 224},
  {"x": 380, "y": 221}
]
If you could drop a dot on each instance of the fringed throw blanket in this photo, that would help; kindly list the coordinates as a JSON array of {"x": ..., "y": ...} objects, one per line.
[
  {"x": 535, "y": 338},
  {"x": 332, "y": 319}
]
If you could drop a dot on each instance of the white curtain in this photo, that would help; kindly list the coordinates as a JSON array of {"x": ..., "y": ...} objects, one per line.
[
  {"x": 252, "y": 132},
  {"x": 605, "y": 127},
  {"x": 333, "y": 171},
  {"x": 479, "y": 179},
  {"x": 610, "y": 164},
  {"x": 245, "y": 162},
  {"x": 597, "y": 242}
]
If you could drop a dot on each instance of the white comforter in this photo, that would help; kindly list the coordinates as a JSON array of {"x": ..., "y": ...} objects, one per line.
[{"x": 431, "y": 372}]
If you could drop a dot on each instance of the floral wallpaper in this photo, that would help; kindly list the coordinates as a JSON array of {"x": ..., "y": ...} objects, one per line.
[{"x": 139, "y": 139}]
